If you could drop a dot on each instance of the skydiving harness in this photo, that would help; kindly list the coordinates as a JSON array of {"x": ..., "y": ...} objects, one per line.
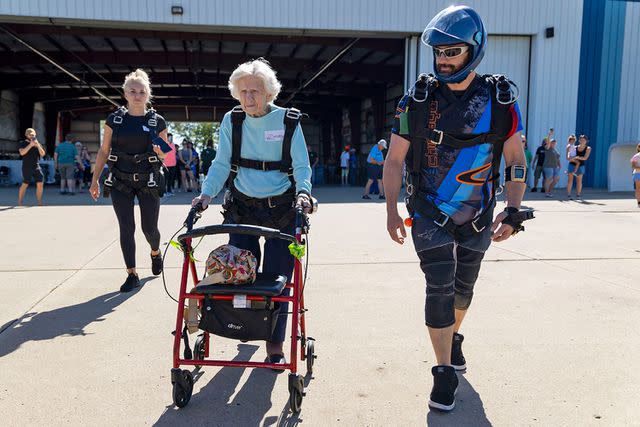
[
  {"x": 276, "y": 210},
  {"x": 423, "y": 135},
  {"x": 151, "y": 182}
]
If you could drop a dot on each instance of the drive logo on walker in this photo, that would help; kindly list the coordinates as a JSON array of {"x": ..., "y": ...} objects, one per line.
[
  {"x": 232, "y": 326},
  {"x": 274, "y": 135}
]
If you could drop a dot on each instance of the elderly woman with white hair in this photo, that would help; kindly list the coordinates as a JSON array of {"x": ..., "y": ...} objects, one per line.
[{"x": 262, "y": 158}]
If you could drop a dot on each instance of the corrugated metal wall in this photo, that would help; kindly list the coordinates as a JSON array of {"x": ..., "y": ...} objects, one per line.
[
  {"x": 629, "y": 114},
  {"x": 403, "y": 16}
]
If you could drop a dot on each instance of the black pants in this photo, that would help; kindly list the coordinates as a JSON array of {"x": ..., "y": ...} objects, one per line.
[
  {"x": 171, "y": 177},
  {"x": 451, "y": 272},
  {"x": 149, "y": 210},
  {"x": 277, "y": 259}
]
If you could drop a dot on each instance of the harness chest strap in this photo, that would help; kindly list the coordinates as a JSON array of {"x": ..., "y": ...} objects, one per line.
[
  {"x": 291, "y": 120},
  {"x": 419, "y": 133}
]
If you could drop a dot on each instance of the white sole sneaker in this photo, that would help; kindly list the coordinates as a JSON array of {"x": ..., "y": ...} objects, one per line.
[{"x": 442, "y": 406}]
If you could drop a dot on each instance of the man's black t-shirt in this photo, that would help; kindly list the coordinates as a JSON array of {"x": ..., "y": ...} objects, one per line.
[
  {"x": 132, "y": 136},
  {"x": 30, "y": 159},
  {"x": 540, "y": 154}
]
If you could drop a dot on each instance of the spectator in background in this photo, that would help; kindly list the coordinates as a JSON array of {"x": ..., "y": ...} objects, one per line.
[
  {"x": 64, "y": 159},
  {"x": 185, "y": 158},
  {"x": 375, "y": 163},
  {"x": 170, "y": 164},
  {"x": 576, "y": 164},
  {"x": 31, "y": 151},
  {"x": 207, "y": 156},
  {"x": 85, "y": 161},
  {"x": 195, "y": 167},
  {"x": 538, "y": 162},
  {"x": 551, "y": 167},
  {"x": 313, "y": 161},
  {"x": 353, "y": 167},
  {"x": 344, "y": 166},
  {"x": 635, "y": 167}
]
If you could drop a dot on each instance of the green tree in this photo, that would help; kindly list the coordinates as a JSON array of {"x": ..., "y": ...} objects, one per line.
[{"x": 196, "y": 132}]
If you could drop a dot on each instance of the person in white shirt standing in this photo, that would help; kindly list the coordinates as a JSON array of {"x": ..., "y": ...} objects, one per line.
[{"x": 344, "y": 165}]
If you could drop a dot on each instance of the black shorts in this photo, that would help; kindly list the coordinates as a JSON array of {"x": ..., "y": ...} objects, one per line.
[
  {"x": 374, "y": 171},
  {"x": 35, "y": 173}
]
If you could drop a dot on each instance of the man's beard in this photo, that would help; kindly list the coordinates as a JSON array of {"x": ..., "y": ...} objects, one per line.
[{"x": 447, "y": 69}]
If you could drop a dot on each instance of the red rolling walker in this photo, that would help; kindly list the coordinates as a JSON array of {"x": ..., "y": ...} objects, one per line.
[{"x": 266, "y": 288}]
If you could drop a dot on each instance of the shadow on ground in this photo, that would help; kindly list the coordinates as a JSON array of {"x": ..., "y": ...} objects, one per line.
[
  {"x": 469, "y": 410},
  {"x": 70, "y": 320},
  {"x": 220, "y": 402}
]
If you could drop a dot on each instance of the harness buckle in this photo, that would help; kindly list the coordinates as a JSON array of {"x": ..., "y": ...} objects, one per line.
[
  {"x": 153, "y": 159},
  {"x": 152, "y": 122},
  {"x": 112, "y": 158},
  {"x": 264, "y": 166},
  {"x": 234, "y": 168},
  {"x": 152, "y": 182},
  {"x": 117, "y": 120},
  {"x": 270, "y": 203},
  {"x": 475, "y": 226},
  {"x": 136, "y": 178},
  {"x": 442, "y": 222},
  {"x": 410, "y": 189},
  {"x": 440, "y": 135},
  {"x": 293, "y": 114},
  {"x": 109, "y": 181}
]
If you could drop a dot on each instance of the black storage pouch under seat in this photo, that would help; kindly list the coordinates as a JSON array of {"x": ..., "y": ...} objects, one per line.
[{"x": 219, "y": 317}]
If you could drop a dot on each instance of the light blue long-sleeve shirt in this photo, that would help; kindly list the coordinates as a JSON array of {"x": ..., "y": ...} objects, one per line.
[{"x": 261, "y": 140}]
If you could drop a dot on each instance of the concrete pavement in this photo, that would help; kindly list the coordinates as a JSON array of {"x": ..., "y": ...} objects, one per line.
[{"x": 550, "y": 339}]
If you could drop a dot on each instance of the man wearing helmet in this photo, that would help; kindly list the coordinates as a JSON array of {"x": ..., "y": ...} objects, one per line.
[{"x": 452, "y": 129}]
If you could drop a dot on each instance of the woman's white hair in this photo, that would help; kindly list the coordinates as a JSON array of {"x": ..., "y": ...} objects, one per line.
[
  {"x": 259, "y": 68},
  {"x": 138, "y": 76}
]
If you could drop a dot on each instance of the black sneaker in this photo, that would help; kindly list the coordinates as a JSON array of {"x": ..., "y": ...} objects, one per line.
[
  {"x": 445, "y": 385},
  {"x": 131, "y": 282},
  {"x": 381, "y": 197},
  {"x": 156, "y": 264},
  {"x": 366, "y": 196},
  {"x": 534, "y": 190},
  {"x": 457, "y": 358}
]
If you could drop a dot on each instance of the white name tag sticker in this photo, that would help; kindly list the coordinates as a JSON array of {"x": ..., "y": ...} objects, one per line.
[
  {"x": 240, "y": 301},
  {"x": 274, "y": 135},
  {"x": 144, "y": 128}
]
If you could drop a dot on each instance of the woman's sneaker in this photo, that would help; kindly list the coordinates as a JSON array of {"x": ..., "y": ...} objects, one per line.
[
  {"x": 457, "y": 358},
  {"x": 445, "y": 385},
  {"x": 131, "y": 283},
  {"x": 156, "y": 264}
]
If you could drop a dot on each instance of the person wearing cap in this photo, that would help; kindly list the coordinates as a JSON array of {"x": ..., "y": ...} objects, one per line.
[
  {"x": 451, "y": 131},
  {"x": 375, "y": 163}
]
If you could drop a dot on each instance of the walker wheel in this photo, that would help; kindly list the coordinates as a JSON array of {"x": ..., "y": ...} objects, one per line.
[
  {"x": 199, "y": 349},
  {"x": 182, "y": 389},
  {"x": 296, "y": 392},
  {"x": 310, "y": 356}
]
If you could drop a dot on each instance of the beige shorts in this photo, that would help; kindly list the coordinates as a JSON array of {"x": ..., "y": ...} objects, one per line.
[{"x": 66, "y": 170}]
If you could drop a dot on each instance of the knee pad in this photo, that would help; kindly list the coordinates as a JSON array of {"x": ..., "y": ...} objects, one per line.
[
  {"x": 467, "y": 269},
  {"x": 438, "y": 265}
]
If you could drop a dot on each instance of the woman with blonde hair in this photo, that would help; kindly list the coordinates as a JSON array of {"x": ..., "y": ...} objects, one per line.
[
  {"x": 262, "y": 157},
  {"x": 130, "y": 148}
]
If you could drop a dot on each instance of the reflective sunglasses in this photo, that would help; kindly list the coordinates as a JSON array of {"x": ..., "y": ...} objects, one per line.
[{"x": 450, "y": 52}]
